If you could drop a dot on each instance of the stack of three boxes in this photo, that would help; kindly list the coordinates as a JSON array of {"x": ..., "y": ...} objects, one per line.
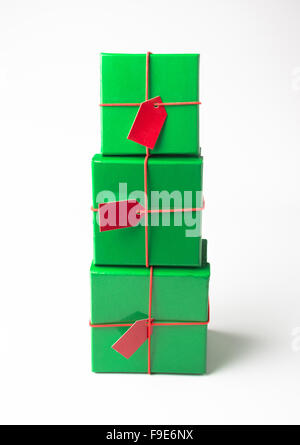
[{"x": 149, "y": 278}]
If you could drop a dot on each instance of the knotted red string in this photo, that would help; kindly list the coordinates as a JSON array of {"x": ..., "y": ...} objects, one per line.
[
  {"x": 155, "y": 323},
  {"x": 194, "y": 209}
]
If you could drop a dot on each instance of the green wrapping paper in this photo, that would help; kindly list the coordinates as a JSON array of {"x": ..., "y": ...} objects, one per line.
[
  {"x": 169, "y": 245},
  {"x": 120, "y": 294},
  {"x": 173, "y": 77}
]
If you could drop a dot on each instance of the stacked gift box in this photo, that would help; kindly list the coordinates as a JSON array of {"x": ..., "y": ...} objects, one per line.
[{"x": 149, "y": 280}]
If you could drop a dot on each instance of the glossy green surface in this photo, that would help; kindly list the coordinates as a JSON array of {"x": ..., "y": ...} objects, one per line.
[
  {"x": 173, "y": 77},
  {"x": 168, "y": 245},
  {"x": 120, "y": 294}
]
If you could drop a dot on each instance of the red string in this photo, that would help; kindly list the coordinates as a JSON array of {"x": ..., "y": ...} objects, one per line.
[
  {"x": 149, "y": 319},
  {"x": 164, "y": 104},
  {"x": 194, "y": 209},
  {"x": 153, "y": 323},
  {"x": 146, "y": 169},
  {"x": 160, "y": 104},
  {"x": 157, "y": 323},
  {"x": 110, "y": 325},
  {"x": 121, "y": 105},
  {"x": 147, "y": 75},
  {"x": 146, "y": 207},
  {"x": 146, "y": 223}
]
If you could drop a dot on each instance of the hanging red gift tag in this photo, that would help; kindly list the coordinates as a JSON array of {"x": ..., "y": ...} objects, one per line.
[
  {"x": 130, "y": 342},
  {"x": 119, "y": 214},
  {"x": 148, "y": 123}
]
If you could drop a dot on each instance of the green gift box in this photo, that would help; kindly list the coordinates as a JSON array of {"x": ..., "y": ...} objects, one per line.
[
  {"x": 179, "y": 301},
  {"x": 174, "y": 239},
  {"x": 173, "y": 77}
]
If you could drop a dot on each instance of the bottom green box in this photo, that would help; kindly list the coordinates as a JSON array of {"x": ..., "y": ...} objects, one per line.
[{"x": 179, "y": 295}]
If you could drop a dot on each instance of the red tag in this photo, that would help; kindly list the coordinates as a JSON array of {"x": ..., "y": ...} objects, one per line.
[
  {"x": 130, "y": 342},
  {"x": 119, "y": 214},
  {"x": 148, "y": 123}
]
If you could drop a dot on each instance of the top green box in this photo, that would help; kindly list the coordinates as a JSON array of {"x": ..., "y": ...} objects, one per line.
[{"x": 173, "y": 77}]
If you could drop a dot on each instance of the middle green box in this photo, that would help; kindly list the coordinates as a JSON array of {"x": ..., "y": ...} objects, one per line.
[{"x": 173, "y": 183}]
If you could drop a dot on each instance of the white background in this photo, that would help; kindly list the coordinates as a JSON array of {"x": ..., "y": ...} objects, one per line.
[{"x": 49, "y": 96}]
